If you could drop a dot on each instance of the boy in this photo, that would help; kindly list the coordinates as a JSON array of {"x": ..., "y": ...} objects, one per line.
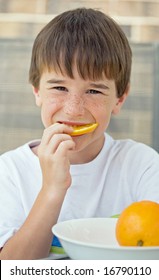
[{"x": 80, "y": 73}]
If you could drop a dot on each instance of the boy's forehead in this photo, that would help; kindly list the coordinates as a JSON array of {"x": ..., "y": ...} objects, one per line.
[{"x": 50, "y": 76}]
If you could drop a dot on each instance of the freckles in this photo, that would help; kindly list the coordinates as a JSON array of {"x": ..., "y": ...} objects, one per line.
[{"x": 96, "y": 105}]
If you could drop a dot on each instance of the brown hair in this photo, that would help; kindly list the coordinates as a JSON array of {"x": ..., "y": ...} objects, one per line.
[{"x": 87, "y": 37}]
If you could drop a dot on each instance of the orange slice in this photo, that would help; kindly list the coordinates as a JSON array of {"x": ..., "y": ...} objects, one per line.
[{"x": 83, "y": 129}]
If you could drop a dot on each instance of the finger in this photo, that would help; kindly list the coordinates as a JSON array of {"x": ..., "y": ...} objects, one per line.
[
  {"x": 56, "y": 128},
  {"x": 64, "y": 147},
  {"x": 56, "y": 140}
]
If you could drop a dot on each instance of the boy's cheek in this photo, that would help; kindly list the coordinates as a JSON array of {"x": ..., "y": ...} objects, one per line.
[{"x": 49, "y": 113}]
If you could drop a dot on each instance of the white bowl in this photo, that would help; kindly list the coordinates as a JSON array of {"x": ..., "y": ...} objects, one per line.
[{"x": 94, "y": 239}]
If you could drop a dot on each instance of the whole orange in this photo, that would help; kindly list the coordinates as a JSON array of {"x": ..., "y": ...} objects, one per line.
[{"x": 138, "y": 224}]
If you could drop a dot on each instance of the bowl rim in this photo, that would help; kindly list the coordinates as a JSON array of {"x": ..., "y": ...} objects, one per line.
[{"x": 94, "y": 245}]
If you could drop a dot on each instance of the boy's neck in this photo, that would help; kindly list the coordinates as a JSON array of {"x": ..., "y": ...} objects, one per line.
[{"x": 87, "y": 154}]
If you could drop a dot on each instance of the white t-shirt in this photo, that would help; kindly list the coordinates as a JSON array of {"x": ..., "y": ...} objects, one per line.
[{"x": 124, "y": 171}]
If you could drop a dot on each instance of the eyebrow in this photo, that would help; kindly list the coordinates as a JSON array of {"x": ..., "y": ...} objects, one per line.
[
  {"x": 100, "y": 86},
  {"x": 95, "y": 85},
  {"x": 55, "y": 81}
]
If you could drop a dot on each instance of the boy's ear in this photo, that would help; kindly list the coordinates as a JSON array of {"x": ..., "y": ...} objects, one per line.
[
  {"x": 120, "y": 101},
  {"x": 37, "y": 96}
]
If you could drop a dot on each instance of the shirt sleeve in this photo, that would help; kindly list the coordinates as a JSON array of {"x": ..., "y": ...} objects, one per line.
[{"x": 12, "y": 213}]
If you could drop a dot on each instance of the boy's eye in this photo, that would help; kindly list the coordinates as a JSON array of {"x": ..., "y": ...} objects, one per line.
[
  {"x": 93, "y": 91},
  {"x": 60, "y": 88}
]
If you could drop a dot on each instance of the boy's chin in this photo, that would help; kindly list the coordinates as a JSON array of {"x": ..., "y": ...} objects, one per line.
[{"x": 82, "y": 142}]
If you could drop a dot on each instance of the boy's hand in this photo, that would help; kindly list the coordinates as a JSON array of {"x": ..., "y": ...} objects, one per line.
[{"x": 53, "y": 156}]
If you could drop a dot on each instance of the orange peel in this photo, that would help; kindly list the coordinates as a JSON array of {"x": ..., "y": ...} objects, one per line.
[
  {"x": 138, "y": 224},
  {"x": 83, "y": 129}
]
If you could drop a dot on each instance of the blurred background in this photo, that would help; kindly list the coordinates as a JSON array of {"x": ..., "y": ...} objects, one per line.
[{"x": 21, "y": 20}]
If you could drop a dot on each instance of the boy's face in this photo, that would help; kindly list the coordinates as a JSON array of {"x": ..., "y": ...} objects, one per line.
[{"x": 76, "y": 102}]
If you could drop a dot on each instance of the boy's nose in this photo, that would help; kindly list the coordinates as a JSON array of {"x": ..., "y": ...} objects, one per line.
[{"x": 74, "y": 106}]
